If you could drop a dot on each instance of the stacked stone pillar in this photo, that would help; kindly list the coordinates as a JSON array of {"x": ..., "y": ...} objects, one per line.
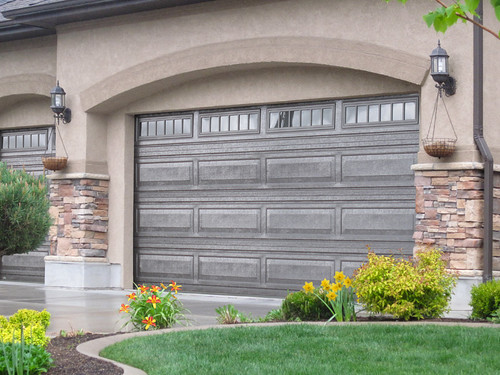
[
  {"x": 449, "y": 215},
  {"x": 78, "y": 236}
]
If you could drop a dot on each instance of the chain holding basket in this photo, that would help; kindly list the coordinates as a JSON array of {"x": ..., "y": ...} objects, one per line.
[
  {"x": 439, "y": 147},
  {"x": 55, "y": 163}
]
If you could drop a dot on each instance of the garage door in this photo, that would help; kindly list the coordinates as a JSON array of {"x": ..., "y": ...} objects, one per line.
[
  {"x": 24, "y": 149},
  {"x": 258, "y": 200}
]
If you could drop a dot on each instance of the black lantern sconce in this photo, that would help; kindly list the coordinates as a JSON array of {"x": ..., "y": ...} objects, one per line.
[
  {"x": 440, "y": 71},
  {"x": 58, "y": 106}
]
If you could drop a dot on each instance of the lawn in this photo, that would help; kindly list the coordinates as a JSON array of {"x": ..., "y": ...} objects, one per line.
[{"x": 316, "y": 349}]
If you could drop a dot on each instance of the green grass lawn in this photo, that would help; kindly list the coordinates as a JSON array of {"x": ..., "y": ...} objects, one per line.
[{"x": 316, "y": 349}]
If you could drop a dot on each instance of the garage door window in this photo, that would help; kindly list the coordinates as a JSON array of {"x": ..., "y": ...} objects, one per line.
[
  {"x": 301, "y": 117},
  {"x": 364, "y": 113}
]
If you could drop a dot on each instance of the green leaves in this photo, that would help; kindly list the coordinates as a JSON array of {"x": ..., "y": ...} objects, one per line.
[
  {"x": 24, "y": 211},
  {"x": 445, "y": 16}
]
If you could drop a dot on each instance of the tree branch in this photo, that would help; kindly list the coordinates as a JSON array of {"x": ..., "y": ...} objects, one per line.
[{"x": 471, "y": 20}]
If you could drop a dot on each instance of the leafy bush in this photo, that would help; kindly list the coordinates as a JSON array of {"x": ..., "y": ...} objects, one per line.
[
  {"x": 18, "y": 358},
  {"x": 485, "y": 299},
  {"x": 418, "y": 288},
  {"x": 155, "y": 307},
  {"x": 35, "y": 324},
  {"x": 304, "y": 306},
  {"x": 24, "y": 211},
  {"x": 228, "y": 314}
]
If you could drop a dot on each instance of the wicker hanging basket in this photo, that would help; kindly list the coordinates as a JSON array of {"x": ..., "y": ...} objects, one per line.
[
  {"x": 439, "y": 147},
  {"x": 55, "y": 163}
]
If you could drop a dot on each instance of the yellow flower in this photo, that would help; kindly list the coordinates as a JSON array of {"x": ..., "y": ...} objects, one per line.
[
  {"x": 308, "y": 287},
  {"x": 331, "y": 295},
  {"x": 336, "y": 287},
  {"x": 325, "y": 284},
  {"x": 347, "y": 282},
  {"x": 339, "y": 276}
]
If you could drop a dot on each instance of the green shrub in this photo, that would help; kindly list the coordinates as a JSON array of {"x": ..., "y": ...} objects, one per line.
[
  {"x": 485, "y": 299},
  {"x": 19, "y": 358},
  {"x": 304, "y": 306},
  {"x": 34, "y": 323},
  {"x": 24, "y": 211},
  {"x": 418, "y": 288}
]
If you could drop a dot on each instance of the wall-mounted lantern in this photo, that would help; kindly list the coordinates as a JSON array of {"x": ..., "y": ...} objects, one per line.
[
  {"x": 440, "y": 71},
  {"x": 434, "y": 146},
  {"x": 58, "y": 104}
]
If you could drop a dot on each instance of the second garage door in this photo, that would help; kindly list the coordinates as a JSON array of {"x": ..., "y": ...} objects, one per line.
[{"x": 258, "y": 200}]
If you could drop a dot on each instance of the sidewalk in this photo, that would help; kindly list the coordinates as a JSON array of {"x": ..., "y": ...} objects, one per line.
[{"x": 97, "y": 310}]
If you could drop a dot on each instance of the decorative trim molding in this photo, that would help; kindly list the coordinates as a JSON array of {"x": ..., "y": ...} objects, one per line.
[{"x": 77, "y": 176}]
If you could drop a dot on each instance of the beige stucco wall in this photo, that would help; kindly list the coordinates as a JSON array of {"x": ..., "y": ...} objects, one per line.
[
  {"x": 27, "y": 74},
  {"x": 233, "y": 53}
]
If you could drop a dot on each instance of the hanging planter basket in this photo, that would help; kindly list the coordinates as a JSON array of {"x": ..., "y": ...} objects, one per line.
[
  {"x": 439, "y": 147},
  {"x": 55, "y": 163}
]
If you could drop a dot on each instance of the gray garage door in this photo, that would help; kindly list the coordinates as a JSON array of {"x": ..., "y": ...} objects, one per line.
[
  {"x": 258, "y": 200},
  {"x": 24, "y": 149}
]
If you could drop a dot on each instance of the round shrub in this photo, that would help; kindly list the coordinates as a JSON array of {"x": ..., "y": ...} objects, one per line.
[
  {"x": 418, "y": 288},
  {"x": 304, "y": 306},
  {"x": 485, "y": 299},
  {"x": 24, "y": 211}
]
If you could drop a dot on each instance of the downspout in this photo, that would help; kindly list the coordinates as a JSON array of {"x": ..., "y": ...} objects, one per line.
[{"x": 483, "y": 148}]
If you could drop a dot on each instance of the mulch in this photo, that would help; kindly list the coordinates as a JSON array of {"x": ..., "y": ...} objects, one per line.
[{"x": 68, "y": 361}]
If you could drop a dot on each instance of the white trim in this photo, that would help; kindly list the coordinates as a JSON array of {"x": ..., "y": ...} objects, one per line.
[
  {"x": 77, "y": 176},
  {"x": 451, "y": 166}
]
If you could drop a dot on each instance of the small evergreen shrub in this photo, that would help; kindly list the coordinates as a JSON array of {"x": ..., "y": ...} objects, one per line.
[
  {"x": 24, "y": 211},
  {"x": 33, "y": 322},
  {"x": 304, "y": 306},
  {"x": 418, "y": 288},
  {"x": 485, "y": 299}
]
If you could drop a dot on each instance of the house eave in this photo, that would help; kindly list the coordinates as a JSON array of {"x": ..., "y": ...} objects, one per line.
[{"x": 40, "y": 20}]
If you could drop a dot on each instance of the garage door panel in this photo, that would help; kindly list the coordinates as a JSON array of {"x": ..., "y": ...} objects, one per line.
[
  {"x": 305, "y": 169},
  {"x": 179, "y": 173},
  {"x": 269, "y": 209},
  {"x": 382, "y": 222},
  {"x": 386, "y": 167},
  {"x": 301, "y": 221},
  {"x": 297, "y": 271},
  {"x": 229, "y": 172},
  {"x": 230, "y": 269},
  {"x": 229, "y": 220},
  {"x": 157, "y": 265},
  {"x": 165, "y": 220}
]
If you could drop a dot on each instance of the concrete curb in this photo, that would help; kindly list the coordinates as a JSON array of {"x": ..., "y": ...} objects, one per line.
[{"x": 93, "y": 348}]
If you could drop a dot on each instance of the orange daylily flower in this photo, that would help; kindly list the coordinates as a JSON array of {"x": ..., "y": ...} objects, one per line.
[
  {"x": 124, "y": 308},
  {"x": 154, "y": 288},
  {"x": 149, "y": 321},
  {"x": 143, "y": 289},
  {"x": 154, "y": 300},
  {"x": 163, "y": 286},
  {"x": 174, "y": 286},
  {"x": 131, "y": 296}
]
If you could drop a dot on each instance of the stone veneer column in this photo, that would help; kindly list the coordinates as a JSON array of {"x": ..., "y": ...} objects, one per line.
[
  {"x": 78, "y": 236},
  {"x": 449, "y": 215}
]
